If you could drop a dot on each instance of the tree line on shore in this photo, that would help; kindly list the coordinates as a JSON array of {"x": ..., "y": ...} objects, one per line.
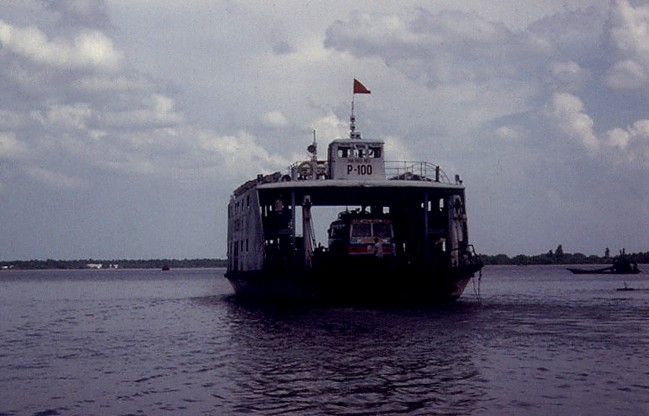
[
  {"x": 113, "y": 264},
  {"x": 558, "y": 256}
]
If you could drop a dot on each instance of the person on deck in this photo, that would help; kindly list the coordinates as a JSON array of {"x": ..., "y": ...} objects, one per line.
[{"x": 378, "y": 248}]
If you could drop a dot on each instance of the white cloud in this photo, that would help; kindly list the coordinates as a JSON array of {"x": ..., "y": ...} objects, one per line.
[
  {"x": 120, "y": 83},
  {"x": 567, "y": 111},
  {"x": 447, "y": 47},
  {"x": 66, "y": 117},
  {"x": 80, "y": 12},
  {"x": 55, "y": 179},
  {"x": 330, "y": 126},
  {"x": 511, "y": 89},
  {"x": 628, "y": 75},
  {"x": 631, "y": 144},
  {"x": 398, "y": 149},
  {"x": 89, "y": 49},
  {"x": 10, "y": 147},
  {"x": 618, "y": 138},
  {"x": 630, "y": 35},
  {"x": 275, "y": 119},
  {"x": 12, "y": 120},
  {"x": 235, "y": 156},
  {"x": 508, "y": 132},
  {"x": 568, "y": 76},
  {"x": 618, "y": 146},
  {"x": 156, "y": 110}
]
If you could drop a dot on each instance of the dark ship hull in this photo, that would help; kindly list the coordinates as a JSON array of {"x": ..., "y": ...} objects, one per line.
[{"x": 384, "y": 287}]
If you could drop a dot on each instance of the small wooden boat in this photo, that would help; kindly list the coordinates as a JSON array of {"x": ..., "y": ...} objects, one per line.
[{"x": 621, "y": 265}]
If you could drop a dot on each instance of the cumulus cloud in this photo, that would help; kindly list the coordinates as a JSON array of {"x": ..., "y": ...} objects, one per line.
[
  {"x": 627, "y": 75},
  {"x": 509, "y": 133},
  {"x": 631, "y": 144},
  {"x": 156, "y": 110},
  {"x": 64, "y": 117},
  {"x": 331, "y": 126},
  {"x": 567, "y": 76},
  {"x": 568, "y": 112},
  {"x": 274, "y": 119},
  {"x": 89, "y": 49},
  {"x": 86, "y": 113},
  {"x": 619, "y": 145},
  {"x": 90, "y": 13},
  {"x": 55, "y": 179},
  {"x": 447, "y": 47},
  {"x": 10, "y": 147},
  {"x": 90, "y": 105},
  {"x": 121, "y": 83},
  {"x": 630, "y": 35}
]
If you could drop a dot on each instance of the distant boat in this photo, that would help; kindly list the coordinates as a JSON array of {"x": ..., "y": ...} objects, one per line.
[
  {"x": 621, "y": 265},
  {"x": 165, "y": 267}
]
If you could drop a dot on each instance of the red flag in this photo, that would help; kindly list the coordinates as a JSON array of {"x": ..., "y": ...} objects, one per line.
[{"x": 360, "y": 88}]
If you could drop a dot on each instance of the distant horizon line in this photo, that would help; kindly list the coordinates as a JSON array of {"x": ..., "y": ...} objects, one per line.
[{"x": 187, "y": 259}]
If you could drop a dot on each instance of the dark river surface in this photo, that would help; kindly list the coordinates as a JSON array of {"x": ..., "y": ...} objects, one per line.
[{"x": 538, "y": 341}]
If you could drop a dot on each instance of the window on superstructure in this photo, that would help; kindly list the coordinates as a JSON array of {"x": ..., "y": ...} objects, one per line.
[
  {"x": 374, "y": 152},
  {"x": 361, "y": 230},
  {"x": 382, "y": 230},
  {"x": 360, "y": 150}
]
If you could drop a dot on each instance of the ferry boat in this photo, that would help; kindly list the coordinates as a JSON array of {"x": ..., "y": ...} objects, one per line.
[{"x": 397, "y": 230}]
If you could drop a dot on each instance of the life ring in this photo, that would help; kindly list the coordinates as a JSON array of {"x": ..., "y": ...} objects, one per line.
[{"x": 305, "y": 169}]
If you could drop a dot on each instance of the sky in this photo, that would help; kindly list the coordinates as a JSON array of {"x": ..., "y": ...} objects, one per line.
[{"x": 125, "y": 125}]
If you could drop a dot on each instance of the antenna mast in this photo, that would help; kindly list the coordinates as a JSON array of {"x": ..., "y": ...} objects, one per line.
[{"x": 353, "y": 134}]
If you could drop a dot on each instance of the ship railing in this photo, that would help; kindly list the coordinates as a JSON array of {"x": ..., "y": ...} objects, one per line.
[
  {"x": 304, "y": 170},
  {"x": 415, "y": 171},
  {"x": 394, "y": 170}
]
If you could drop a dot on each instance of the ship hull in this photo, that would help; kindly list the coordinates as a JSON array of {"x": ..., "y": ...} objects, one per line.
[{"x": 344, "y": 286}]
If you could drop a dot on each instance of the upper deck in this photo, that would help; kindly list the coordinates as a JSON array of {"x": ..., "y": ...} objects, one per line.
[{"x": 355, "y": 172}]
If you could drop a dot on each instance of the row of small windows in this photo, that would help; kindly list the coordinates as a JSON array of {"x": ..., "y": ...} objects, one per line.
[{"x": 359, "y": 151}]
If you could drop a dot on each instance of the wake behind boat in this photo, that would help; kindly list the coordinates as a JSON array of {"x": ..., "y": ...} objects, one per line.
[{"x": 400, "y": 234}]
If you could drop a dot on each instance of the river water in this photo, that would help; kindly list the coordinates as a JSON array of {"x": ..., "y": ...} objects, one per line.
[{"x": 537, "y": 341}]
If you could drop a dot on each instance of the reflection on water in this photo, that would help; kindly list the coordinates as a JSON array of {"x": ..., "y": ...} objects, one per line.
[
  {"x": 146, "y": 342},
  {"x": 350, "y": 361}
]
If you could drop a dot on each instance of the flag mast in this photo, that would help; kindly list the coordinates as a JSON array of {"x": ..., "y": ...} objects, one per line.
[
  {"x": 353, "y": 134},
  {"x": 358, "y": 89}
]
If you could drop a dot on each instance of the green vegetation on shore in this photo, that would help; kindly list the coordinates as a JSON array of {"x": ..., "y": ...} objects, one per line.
[
  {"x": 108, "y": 264},
  {"x": 557, "y": 256},
  {"x": 560, "y": 257}
]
